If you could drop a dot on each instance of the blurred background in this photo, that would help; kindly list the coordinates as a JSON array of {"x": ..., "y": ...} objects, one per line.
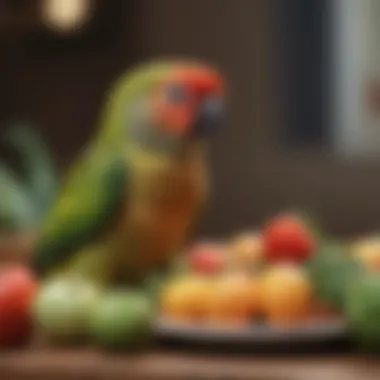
[{"x": 303, "y": 119}]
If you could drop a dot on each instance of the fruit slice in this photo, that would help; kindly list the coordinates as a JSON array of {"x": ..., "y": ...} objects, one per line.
[
  {"x": 287, "y": 295},
  {"x": 246, "y": 250},
  {"x": 186, "y": 298},
  {"x": 207, "y": 258},
  {"x": 232, "y": 302}
]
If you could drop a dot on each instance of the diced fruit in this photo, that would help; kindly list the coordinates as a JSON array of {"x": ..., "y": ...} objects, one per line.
[
  {"x": 17, "y": 291},
  {"x": 232, "y": 302},
  {"x": 255, "y": 296},
  {"x": 207, "y": 258},
  {"x": 286, "y": 238},
  {"x": 122, "y": 320},
  {"x": 287, "y": 294},
  {"x": 246, "y": 250},
  {"x": 367, "y": 251},
  {"x": 63, "y": 308},
  {"x": 186, "y": 299}
]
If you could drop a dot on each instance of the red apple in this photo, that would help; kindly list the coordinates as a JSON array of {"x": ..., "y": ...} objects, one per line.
[
  {"x": 287, "y": 238},
  {"x": 17, "y": 291},
  {"x": 207, "y": 258}
]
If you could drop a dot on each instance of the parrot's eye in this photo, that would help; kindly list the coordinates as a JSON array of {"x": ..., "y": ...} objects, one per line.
[{"x": 177, "y": 94}]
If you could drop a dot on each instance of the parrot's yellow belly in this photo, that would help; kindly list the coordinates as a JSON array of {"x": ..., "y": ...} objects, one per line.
[{"x": 166, "y": 197}]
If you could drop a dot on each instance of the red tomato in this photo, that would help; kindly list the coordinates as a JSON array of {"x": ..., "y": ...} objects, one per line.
[
  {"x": 286, "y": 238},
  {"x": 17, "y": 291},
  {"x": 207, "y": 258}
]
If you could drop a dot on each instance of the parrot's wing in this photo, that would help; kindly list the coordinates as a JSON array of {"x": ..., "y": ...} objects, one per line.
[{"x": 86, "y": 206}]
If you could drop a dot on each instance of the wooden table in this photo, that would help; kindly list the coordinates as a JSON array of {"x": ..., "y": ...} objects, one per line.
[{"x": 51, "y": 365}]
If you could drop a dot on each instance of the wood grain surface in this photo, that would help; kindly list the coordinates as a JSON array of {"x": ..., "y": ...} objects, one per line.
[{"x": 50, "y": 365}]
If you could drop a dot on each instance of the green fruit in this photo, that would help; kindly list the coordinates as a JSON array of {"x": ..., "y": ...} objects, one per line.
[
  {"x": 331, "y": 270},
  {"x": 122, "y": 320},
  {"x": 63, "y": 308},
  {"x": 362, "y": 308}
]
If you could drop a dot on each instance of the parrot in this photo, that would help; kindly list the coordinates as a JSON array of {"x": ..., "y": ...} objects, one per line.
[{"x": 131, "y": 198}]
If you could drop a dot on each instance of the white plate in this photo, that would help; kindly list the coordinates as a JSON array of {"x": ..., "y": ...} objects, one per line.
[{"x": 313, "y": 331}]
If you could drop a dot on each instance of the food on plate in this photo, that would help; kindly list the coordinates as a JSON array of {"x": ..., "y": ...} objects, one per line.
[
  {"x": 207, "y": 258},
  {"x": 286, "y": 238},
  {"x": 186, "y": 298},
  {"x": 246, "y": 250},
  {"x": 256, "y": 295},
  {"x": 232, "y": 300},
  {"x": 287, "y": 294}
]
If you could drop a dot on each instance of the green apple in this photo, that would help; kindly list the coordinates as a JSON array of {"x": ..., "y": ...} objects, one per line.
[
  {"x": 122, "y": 320},
  {"x": 63, "y": 307}
]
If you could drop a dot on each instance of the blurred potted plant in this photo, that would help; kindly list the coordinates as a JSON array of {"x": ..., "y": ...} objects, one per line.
[{"x": 25, "y": 196}]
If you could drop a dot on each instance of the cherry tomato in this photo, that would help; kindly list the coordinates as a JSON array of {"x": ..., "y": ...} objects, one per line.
[{"x": 286, "y": 238}]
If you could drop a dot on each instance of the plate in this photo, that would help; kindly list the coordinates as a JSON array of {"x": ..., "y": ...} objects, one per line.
[{"x": 313, "y": 331}]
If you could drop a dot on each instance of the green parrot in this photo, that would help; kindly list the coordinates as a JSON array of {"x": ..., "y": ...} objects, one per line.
[{"x": 134, "y": 193}]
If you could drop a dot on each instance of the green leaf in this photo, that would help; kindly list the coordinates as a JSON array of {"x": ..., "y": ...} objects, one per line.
[
  {"x": 39, "y": 175},
  {"x": 16, "y": 208}
]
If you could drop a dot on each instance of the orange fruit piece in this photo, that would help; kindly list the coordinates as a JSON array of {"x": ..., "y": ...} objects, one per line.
[
  {"x": 186, "y": 299},
  {"x": 287, "y": 295},
  {"x": 231, "y": 302},
  {"x": 246, "y": 249},
  {"x": 255, "y": 296}
]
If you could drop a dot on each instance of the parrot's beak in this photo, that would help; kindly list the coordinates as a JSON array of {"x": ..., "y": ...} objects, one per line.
[
  {"x": 208, "y": 112},
  {"x": 209, "y": 117}
]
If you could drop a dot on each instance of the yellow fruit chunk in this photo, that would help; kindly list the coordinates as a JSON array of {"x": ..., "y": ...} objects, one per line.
[
  {"x": 367, "y": 251},
  {"x": 246, "y": 249},
  {"x": 232, "y": 302},
  {"x": 255, "y": 296},
  {"x": 186, "y": 299},
  {"x": 287, "y": 295}
]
